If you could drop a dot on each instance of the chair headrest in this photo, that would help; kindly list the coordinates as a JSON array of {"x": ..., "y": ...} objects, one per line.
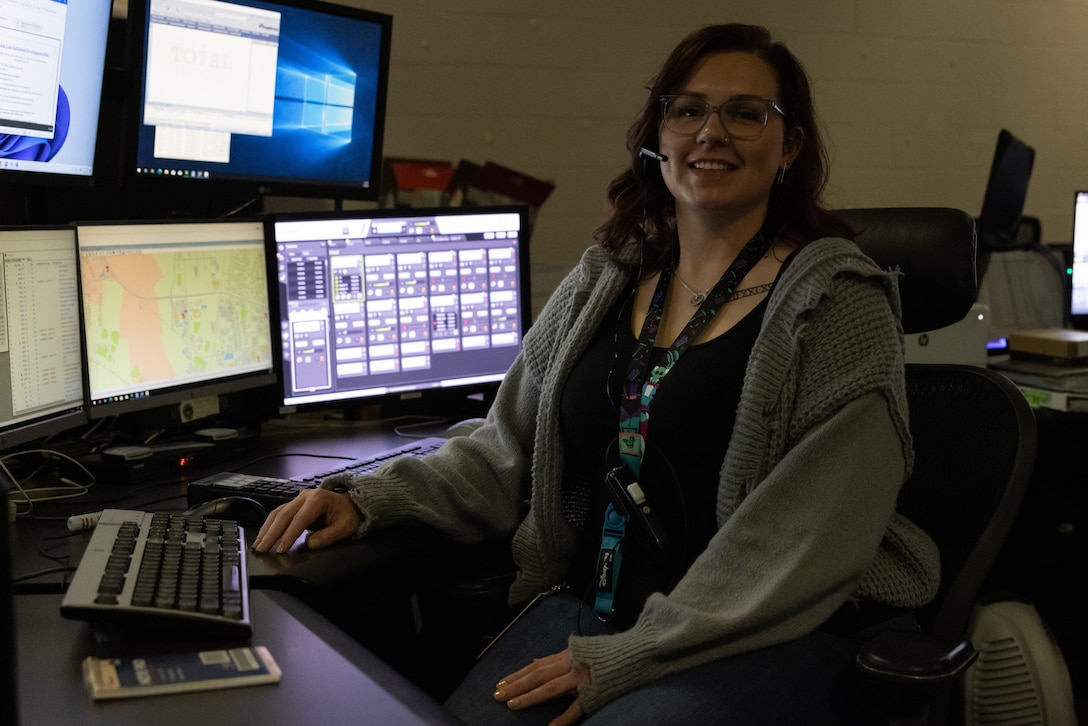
[{"x": 934, "y": 248}]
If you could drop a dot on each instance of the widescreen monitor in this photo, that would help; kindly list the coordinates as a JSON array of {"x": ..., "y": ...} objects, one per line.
[
  {"x": 173, "y": 312},
  {"x": 41, "y": 345},
  {"x": 288, "y": 97},
  {"x": 399, "y": 304},
  {"x": 1078, "y": 298},
  {"x": 53, "y": 58}
]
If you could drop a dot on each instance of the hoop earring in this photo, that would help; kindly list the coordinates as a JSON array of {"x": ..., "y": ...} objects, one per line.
[{"x": 781, "y": 177}]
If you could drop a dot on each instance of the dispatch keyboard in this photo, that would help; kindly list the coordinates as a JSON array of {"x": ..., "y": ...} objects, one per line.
[
  {"x": 274, "y": 491},
  {"x": 163, "y": 572}
]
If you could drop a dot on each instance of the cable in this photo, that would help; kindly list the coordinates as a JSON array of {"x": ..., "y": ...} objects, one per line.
[
  {"x": 29, "y": 496},
  {"x": 43, "y": 573},
  {"x": 405, "y": 429},
  {"x": 243, "y": 206},
  {"x": 251, "y": 462}
]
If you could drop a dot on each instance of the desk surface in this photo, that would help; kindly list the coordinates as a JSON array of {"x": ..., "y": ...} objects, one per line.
[
  {"x": 366, "y": 589},
  {"x": 287, "y": 448},
  {"x": 328, "y": 678}
]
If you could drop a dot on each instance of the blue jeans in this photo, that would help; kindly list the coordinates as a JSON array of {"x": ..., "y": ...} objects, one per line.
[{"x": 810, "y": 681}]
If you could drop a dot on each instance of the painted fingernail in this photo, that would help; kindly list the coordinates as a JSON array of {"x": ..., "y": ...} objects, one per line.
[
  {"x": 500, "y": 694},
  {"x": 501, "y": 683},
  {"x": 513, "y": 703}
]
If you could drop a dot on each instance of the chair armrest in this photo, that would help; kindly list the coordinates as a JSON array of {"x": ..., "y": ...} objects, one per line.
[{"x": 906, "y": 656}]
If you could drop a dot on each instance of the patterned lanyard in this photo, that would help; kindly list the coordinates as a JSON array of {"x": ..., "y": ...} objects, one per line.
[{"x": 638, "y": 389}]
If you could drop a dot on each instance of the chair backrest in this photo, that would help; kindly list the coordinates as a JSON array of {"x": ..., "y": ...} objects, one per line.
[
  {"x": 974, "y": 432},
  {"x": 934, "y": 248},
  {"x": 974, "y": 447}
]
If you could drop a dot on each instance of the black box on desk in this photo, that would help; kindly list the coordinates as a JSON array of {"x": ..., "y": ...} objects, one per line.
[{"x": 161, "y": 461}]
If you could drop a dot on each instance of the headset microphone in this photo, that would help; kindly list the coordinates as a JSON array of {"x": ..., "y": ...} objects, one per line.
[{"x": 643, "y": 151}]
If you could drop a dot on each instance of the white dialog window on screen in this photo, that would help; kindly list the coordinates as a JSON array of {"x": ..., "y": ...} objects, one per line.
[
  {"x": 31, "y": 42},
  {"x": 211, "y": 72}
]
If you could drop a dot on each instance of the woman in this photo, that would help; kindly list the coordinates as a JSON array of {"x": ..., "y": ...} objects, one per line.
[{"x": 724, "y": 347}]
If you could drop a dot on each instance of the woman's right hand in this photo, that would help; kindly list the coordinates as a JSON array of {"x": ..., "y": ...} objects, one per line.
[{"x": 331, "y": 517}]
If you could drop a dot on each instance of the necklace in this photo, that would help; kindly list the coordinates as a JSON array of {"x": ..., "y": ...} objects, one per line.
[{"x": 696, "y": 296}]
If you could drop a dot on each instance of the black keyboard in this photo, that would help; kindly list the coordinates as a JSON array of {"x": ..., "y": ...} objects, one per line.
[
  {"x": 273, "y": 491},
  {"x": 161, "y": 572}
]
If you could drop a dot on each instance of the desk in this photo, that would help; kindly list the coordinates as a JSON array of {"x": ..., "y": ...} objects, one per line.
[
  {"x": 368, "y": 589},
  {"x": 328, "y": 678},
  {"x": 286, "y": 448}
]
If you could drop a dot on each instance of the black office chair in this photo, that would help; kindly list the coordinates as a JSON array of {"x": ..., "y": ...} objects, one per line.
[
  {"x": 974, "y": 439},
  {"x": 1024, "y": 283}
]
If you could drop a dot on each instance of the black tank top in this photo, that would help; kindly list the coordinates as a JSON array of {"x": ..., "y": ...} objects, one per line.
[{"x": 691, "y": 421}]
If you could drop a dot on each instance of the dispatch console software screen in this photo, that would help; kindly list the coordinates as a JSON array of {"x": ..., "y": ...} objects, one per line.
[{"x": 377, "y": 305}]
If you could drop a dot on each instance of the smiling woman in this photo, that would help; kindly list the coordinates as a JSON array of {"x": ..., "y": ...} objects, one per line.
[
  {"x": 716, "y": 175},
  {"x": 701, "y": 478}
]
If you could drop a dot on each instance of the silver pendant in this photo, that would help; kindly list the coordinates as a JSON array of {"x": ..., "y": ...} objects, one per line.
[{"x": 697, "y": 298}]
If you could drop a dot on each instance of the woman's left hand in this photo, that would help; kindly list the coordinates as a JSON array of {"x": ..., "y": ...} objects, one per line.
[{"x": 543, "y": 680}]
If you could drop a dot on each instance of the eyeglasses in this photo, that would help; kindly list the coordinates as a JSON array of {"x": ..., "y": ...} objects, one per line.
[{"x": 742, "y": 118}]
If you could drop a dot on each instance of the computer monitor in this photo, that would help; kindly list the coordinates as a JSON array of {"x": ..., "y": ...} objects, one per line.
[
  {"x": 53, "y": 56},
  {"x": 174, "y": 313},
  {"x": 1006, "y": 192},
  {"x": 1078, "y": 298},
  {"x": 400, "y": 305},
  {"x": 41, "y": 342},
  {"x": 288, "y": 97}
]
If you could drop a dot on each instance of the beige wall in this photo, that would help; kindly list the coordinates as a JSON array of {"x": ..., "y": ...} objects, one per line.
[{"x": 912, "y": 94}]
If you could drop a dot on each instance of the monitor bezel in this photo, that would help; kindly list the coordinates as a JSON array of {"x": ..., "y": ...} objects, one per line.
[
  {"x": 58, "y": 422},
  {"x": 426, "y": 400},
  {"x": 177, "y": 395},
  {"x": 258, "y": 185},
  {"x": 47, "y": 178}
]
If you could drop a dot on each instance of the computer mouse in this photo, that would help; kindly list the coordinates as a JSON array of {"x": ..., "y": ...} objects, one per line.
[
  {"x": 245, "y": 511},
  {"x": 464, "y": 427}
]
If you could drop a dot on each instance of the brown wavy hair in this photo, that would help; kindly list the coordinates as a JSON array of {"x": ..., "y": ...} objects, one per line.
[{"x": 643, "y": 210}]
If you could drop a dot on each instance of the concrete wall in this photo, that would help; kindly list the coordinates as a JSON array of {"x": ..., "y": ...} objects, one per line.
[{"x": 912, "y": 94}]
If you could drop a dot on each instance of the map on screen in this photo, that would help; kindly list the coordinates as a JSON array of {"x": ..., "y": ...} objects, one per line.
[{"x": 162, "y": 315}]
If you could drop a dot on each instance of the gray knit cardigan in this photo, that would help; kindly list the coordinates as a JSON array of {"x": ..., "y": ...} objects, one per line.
[{"x": 806, "y": 505}]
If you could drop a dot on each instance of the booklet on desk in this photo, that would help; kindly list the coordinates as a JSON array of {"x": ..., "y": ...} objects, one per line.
[
  {"x": 155, "y": 675},
  {"x": 1054, "y": 400},
  {"x": 1052, "y": 376}
]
